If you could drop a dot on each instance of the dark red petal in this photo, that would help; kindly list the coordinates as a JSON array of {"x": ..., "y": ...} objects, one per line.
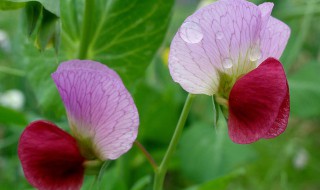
[
  {"x": 50, "y": 157},
  {"x": 280, "y": 125},
  {"x": 259, "y": 104}
]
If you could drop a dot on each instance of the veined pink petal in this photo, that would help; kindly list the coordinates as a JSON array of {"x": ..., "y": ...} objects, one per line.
[
  {"x": 215, "y": 38},
  {"x": 228, "y": 36},
  {"x": 99, "y": 107},
  {"x": 50, "y": 157},
  {"x": 87, "y": 65},
  {"x": 274, "y": 38},
  {"x": 259, "y": 104},
  {"x": 266, "y": 9}
]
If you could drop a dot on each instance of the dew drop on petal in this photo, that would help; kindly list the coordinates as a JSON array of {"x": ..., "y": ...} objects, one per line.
[
  {"x": 255, "y": 54},
  {"x": 227, "y": 63},
  {"x": 219, "y": 35},
  {"x": 191, "y": 32}
]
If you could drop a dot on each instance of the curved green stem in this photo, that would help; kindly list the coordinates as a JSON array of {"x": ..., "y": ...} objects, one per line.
[
  {"x": 86, "y": 29},
  {"x": 96, "y": 168},
  {"x": 162, "y": 169}
]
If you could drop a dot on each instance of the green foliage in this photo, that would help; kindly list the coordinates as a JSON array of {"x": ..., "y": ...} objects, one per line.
[
  {"x": 9, "y": 116},
  {"x": 207, "y": 153},
  {"x": 219, "y": 183},
  {"x": 7, "y": 5},
  {"x": 52, "y": 6},
  {"x": 142, "y": 183},
  {"x": 124, "y": 34},
  {"x": 102, "y": 31},
  {"x": 109, "y": 181},
  {"x": 47, "y": 19},
  {"x": 105, "y": 29},
  {"x": 33, "y": 13},
  {"x": 49, "y": 31},
  {"x": 305, "y": 91},
  {"x": 40, "y": 66},
  {"x": 154, "y": 106}
]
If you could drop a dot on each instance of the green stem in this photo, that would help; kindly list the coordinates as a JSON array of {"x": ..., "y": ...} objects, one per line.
[
  {"x": 92, "y": 167},
  {"x": 162, "y": 169},
  {"x": 101, "y": 173},
  {"x": 86, "y": 29},
  {"x": 96, "y": 168}
]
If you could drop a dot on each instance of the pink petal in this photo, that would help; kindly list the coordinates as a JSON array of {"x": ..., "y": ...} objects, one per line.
[
  {"x": 99, "y": 107},
  {"x": 50, "y": 157},
  {"x": 274, "y": 38},
  {"x": 266, "y": 9},
  {"x": 259, "y": 104},
  {"x": 216, "y": 37},
  {"x": 87, "y": 65}
]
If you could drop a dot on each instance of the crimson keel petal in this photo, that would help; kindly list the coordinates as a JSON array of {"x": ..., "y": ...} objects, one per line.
[
  {"x": 50, "y": 157},
  {"x": 259, "y": 104}
]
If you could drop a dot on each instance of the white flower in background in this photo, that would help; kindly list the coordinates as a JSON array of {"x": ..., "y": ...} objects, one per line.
[
  {"x": 4, "y": 41},
  {"x": 13, "y": 99},
  {"x": 300, "y": 160}
]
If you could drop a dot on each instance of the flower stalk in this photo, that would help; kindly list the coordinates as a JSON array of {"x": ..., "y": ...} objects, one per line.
[
  {"x": 147, "y": 155},
  {"x": 162, "y": 169},
  {"x": 92, "y": 167}
]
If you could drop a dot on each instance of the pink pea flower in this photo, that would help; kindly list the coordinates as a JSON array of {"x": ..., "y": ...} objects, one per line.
[
  {"x": 103, "y": 120},
  {"x": 230, "y": 49}
]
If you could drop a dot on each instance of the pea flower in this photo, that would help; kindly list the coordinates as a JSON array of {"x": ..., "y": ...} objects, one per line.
[
  {"x": 229, "y": 49},
  {"x": 103, "y": 120}
]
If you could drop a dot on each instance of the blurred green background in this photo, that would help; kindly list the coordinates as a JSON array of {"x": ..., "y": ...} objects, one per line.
[{"x": 129, "y": 36}]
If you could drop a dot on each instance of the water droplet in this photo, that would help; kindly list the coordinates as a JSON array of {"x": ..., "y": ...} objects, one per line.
[
  {"x": 255, "y": 54},
  {"x": 191, "y": 32},
  {"x": 219, "y": 35},
  {"x": 227, "y": 63}
]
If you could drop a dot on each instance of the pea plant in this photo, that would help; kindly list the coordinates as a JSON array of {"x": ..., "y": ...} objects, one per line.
[{"x": 109, "y": 87}]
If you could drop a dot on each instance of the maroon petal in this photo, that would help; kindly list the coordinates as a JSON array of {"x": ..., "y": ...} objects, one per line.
[
  {"x": 259, "y": 104},
  {"x": 280, "y": 125},
  {"x": 50, "y": 157}
]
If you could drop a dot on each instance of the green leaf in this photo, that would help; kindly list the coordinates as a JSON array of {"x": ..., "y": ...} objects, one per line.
[
  {"x": 125, "y": 34},
  {"x": 158, "y": 111},
  {"x": 10, "y": 116},
  {"x": 51, "y": 5},
  {"x": 33, "y": 13},
  {"x": 48, "y": 31},
  {"x": 40, "y": 65},
  {"x": 142, "y": 183},
  {"x": 206, "y": 154},
  {"x": 7, "y": 5},
  {"x": 124, "y": 23},
  {"x": 305, "y": 91},
  {"x": 219, "y": 183}
]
